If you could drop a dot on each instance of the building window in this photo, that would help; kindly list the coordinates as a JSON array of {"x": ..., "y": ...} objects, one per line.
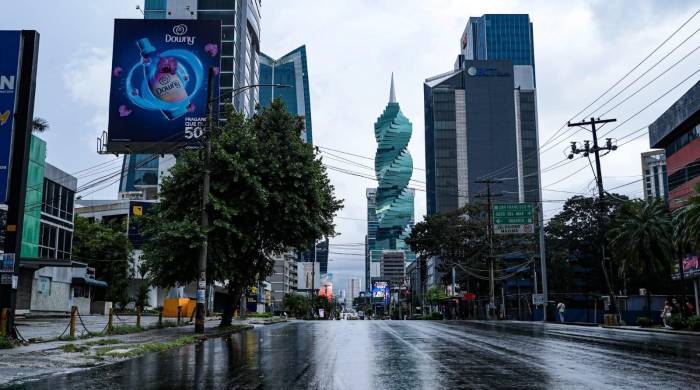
[
  {"x": 80, "y": 291},
  {"x": 44, "y": 285}
]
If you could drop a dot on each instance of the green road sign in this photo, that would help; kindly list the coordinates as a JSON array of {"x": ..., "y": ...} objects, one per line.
[{"x": 513, "y": 218}]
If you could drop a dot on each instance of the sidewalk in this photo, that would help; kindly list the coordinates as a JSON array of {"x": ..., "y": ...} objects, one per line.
[
  {"x": 653, "y": 330},
  {"x": 36, "y": 360}
]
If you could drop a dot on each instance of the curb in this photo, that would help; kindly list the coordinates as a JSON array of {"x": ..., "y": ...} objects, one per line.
[{"x": 652, "y": 330}]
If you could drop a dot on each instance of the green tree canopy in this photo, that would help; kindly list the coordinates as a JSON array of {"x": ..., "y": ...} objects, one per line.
[
  {"x": 269, "y": 193},
  {"x": 573, "y": 238},
  {"x": 107, "y": 249},
  {"x": 642, "y": 240}
]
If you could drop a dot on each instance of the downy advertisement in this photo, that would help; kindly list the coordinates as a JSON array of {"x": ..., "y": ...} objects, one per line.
[{"x": 158, "y": 95}]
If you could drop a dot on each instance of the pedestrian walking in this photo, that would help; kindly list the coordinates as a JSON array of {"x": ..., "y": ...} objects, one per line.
[
  {"x": 561, "y": 308},
  {"x": 676, "y": 306},
  {"x": 666, "y": 313}
]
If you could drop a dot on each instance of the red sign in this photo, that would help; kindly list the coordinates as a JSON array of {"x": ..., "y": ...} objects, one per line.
[{"x": 469, "y": 296}]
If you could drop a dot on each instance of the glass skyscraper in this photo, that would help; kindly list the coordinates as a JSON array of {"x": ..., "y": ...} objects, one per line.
[
  {"x": 499, "y": 37},
  {"x": 240, "y": 53},
  {"x": 481, "y": 118},
  {"x": 392, "y": 200},
  {"x": 290, "y": 69}
]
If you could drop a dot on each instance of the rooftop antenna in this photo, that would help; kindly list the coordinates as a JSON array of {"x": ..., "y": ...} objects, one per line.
[{"x": 138, "y": 8}]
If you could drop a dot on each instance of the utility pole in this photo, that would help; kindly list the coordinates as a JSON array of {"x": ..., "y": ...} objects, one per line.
[
  {"x": 586, "y": 151},
  {"x": 489, "y": 233},
  {"x": 202, "y": 264}
]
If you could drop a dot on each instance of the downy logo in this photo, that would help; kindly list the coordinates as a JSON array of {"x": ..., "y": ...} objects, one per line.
[{"x": 180, "y": 30}]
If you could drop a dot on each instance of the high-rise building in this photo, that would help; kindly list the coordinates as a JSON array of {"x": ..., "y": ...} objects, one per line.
[
  {"x": 393, "y": 266},
  {"x": 322, "y": 256},
  {"x": 291, "y": 70},
  {"x": 352, "y": 291},
  {"x": 677, "y": 131},
  {"x": 481, "y": 118},
  {"x": 392, "y": 200},
  {"x": 240, "y": 52},
  {"x": 654, "y": 174}
]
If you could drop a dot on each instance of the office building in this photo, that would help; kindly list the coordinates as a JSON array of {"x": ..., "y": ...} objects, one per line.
[
  {"x": 240, "y": 53},
  {"x": 49, "y": 280},
  {"x": 481, "y": 118},
  {"x": 390, "y": 205},
  {"x": 393, "y": 266},
  {"x": 654, "y": 177},
  {"x": 352, "y": 291},
  {"x": 284, "y": 278},
  {"x": 677, "y": 131},
  {"x": 290, "y": 70}
]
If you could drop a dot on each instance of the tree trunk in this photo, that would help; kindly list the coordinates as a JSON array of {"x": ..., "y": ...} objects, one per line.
[{"x": 230, "y": 305}]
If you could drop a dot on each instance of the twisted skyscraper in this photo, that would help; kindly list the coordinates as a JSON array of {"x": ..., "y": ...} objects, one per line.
[{"x": 390, "y": 205}]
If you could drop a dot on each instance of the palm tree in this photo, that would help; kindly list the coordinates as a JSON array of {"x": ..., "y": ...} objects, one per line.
[
  {"x": 40, "y": 125},
  {"x": 689, "y": 214},
  {"x": 643, "y": 238}
]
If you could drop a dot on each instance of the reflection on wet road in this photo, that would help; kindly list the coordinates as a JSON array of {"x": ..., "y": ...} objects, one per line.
[{"x": 410, "y": 355}]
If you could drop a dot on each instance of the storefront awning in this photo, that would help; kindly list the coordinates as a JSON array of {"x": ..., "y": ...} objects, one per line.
[{"x": 89, "y": 282}]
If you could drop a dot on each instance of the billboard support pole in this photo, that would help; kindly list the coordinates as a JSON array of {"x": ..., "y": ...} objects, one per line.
[
  {"x": 202, "y": 264},
  {"x": 21, "y": 139}
]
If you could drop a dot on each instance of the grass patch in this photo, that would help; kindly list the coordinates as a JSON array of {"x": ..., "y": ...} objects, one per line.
[
  {"x": 6, "y": 343},
  {"x": 72, "y": 348},
  {"x": 145, "y": 348},
  {"x": 125, "y": 329},
  {"x": 165, "y": 324},
  {"x": 102, "y": 342}
]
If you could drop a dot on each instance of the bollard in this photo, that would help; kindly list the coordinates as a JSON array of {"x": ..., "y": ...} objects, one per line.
[
  {"x": 109, "y": 321},
  {"x": 179, "y": 313},
  {"x": 160, "y": 318},
  {"x": 138, "y": 316},
  {"x": 3, "y": 322},
  {"x": 73, "y": 312}
]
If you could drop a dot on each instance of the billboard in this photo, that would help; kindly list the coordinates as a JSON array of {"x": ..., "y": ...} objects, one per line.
[
  {"x": 305, "y": 274},
  {"x": 9, "y": 69},
  {"x": 158, "y": 94},
  {"x": 381, "y": 291}
]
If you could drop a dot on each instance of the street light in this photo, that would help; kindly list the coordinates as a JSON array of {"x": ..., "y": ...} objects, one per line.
[{"x": 204, "y": 215}]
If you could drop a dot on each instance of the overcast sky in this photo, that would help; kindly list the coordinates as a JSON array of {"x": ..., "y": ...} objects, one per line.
[{"x": 581, "y": 49}]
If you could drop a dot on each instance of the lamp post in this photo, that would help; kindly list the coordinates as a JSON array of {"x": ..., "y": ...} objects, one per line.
[{"x": 204, "y": 214}]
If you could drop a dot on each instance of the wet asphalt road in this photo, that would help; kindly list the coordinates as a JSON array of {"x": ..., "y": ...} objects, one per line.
[{"x": 410, "y": 355}]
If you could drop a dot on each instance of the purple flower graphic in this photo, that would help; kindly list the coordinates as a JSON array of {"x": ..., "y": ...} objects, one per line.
[
  {"x": 212, "y": 49},
  {"x": 135, "y": 92},
  {"x": 124, "y": 110},
  {"x": 167, "y": 65},
  {"x": 191, "y": 107},
  {"x": 117, "y": 71},
  {"x": 216, "y": 70}
]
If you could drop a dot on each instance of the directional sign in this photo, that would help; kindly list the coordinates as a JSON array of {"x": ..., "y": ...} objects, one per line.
[
  {"x": 513, "y": 218},
  {"x": 538, "y": 299}
]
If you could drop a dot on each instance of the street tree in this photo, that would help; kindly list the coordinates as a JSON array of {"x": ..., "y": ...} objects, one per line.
[
  {"x": 105, "y": 247},
  {"x": 296, "y": 305},
  {"x": 269, "y": 194},
  {"x": 460, "y": 239},
  {"x": 573, "y": 239},
  {"x": 642, "y": 239}
]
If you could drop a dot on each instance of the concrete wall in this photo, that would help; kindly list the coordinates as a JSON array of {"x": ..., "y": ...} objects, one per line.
[{"x": 59, "y": 298}]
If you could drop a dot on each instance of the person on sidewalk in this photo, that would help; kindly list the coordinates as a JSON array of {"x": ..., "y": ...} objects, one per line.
[
  {"x": 666, "y": 314},
  {"x": 561, "y": 308}
]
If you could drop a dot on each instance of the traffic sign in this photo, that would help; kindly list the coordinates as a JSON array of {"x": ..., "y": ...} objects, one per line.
[
  {"x": 538, "y": 299},
  {"x": 513, "y": 218}
]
